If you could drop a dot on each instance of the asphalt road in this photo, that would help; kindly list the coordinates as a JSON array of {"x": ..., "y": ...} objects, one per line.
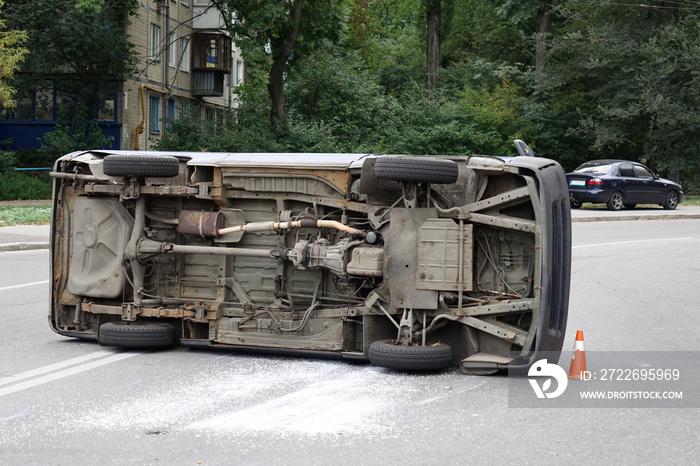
[{"x": 66, "y": 402}]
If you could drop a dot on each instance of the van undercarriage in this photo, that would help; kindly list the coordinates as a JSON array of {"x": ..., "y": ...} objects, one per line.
[{"x": 413, "y": 263}]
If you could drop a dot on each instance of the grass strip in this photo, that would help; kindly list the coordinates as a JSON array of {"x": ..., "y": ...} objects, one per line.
[{"x": 29, "y": 215}]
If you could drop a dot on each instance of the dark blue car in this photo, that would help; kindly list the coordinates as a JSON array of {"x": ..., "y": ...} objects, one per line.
[{"x": 621, "y": 183}]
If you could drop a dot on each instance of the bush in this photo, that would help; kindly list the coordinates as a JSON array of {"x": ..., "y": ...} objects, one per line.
[
  {"x": 7, "y": 161},
  {"x": 16, "y": 186}
]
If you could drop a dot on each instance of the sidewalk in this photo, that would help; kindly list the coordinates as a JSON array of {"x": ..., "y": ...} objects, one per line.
[
  {"x": 26, "y": 237},
  {"x": 641, "y": 213}
]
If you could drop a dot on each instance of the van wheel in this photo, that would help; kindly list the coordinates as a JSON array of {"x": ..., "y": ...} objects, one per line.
[
  {"x": 141, "y": 166},
  {"x": 410, "y": 358},
  {"x": 137, "y": 334},
  {"x": 416, "y": 169}
]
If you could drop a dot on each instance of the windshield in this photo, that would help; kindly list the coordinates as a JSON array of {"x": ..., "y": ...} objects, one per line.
[{"x": 595, "y": 168}]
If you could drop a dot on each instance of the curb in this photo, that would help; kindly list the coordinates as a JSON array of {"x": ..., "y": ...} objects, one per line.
[
  {"x": 30, "y": 203},
  {"x": 23, "y": 246},
  {"x": 627, "y": 218}
]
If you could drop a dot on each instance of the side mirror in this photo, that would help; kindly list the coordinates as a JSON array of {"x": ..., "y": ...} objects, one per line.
[{"x": 523, "y": 149}]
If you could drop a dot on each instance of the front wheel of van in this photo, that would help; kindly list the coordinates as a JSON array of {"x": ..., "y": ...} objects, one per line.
[
  {"x": 386, "y": 353},
  {"x": 137, "y": 334}
]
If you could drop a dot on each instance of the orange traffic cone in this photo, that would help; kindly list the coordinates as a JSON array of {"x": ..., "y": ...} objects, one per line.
[{"x": 578, "y": 360}]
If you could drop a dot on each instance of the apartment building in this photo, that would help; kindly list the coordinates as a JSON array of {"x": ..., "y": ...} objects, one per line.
[{"x": 187, "y": 63}]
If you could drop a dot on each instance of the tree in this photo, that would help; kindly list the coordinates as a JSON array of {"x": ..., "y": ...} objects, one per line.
[
  {"x": 269, "y": 32},
  {"x": 12, "y": 53},
  {"x": 79, "y": 54},
  {"x": 434, "y": 21},
  {"x": 76, "y": 54},
  {"x": 535, "y": 17}
]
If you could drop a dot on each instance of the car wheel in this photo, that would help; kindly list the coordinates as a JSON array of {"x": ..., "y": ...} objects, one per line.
[
  {"x": 671, "y": 201},
  {"x": 141, "y": 166},
  {"x": 616, "y": 201},
  {"x": 630, "y": 206},
  {"x": 410, "y": 358},
  {"x": 575, "y": 204},
  {"x": 137, "y": 335},
  {"x": 416, "y": 169}
]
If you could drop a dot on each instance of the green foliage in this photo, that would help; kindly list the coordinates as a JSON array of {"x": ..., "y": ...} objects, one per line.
[
  {"x": 479, "y": 29},
  {"x": 12, "y": 53},
  {"x": 622, "y": 83},
  {"x": 79, "y": 51},
  {"x": 337, "y": 106},
  {"x": 273, "y": 36},
  {"x": 64, "y": 140},
  {"x": 24, "y": 186},
  {"x": 29, "y": 215},
  {"x": 82, "y": 42},
  {"x": 333, "y": 95},
  {"x": 246, "y": 130},
  {"x": 495, "y": 111},
  {"x": 394, "y": 49},
  {"x": 7, "y": 161},
  {"x": 621, "y": 79}
]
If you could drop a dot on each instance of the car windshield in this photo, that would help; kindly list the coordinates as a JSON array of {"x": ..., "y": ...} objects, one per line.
[{"x": 595, "y": 168}]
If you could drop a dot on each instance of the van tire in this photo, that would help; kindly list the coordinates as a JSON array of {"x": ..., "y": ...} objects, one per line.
[
  {"x": 141, "y": 166},
  {"x": 137, "y": 334},
  {"x": 416, "y": 169},
  {"x": 385, "y": 353}
]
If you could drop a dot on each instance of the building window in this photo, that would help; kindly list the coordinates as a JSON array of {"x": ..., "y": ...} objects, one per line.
[
  {"x": 185, "y": 2},
  {"x": 185, "y": 53},
  {"x": 154, "y": 115},
  {"x": 172, "y": 51},
  {"x": 155, "y": 42},
  {"x": 212, "y": 52},
  {"x": 239, "y": 72},
  {"x": 184, "y": 108},
  {"x": 170, "y": 113},
  {"x": 45, "y": 104}
]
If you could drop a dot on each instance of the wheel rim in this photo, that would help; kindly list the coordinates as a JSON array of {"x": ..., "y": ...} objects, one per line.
[
  {"x": 672, "y": 200},
  {"x": 617, "y": 201}
]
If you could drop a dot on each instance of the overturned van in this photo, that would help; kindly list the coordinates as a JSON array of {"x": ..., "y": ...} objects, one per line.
[{"x": 408, "y": 262}]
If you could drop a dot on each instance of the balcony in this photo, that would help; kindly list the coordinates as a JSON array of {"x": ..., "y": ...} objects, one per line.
[{"x": 211, "y": 62}]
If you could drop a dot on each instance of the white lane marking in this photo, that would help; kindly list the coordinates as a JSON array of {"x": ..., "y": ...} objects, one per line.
[
  {"x": 23, "y": 285},
  {"x": 65, "y": 373},
  {"x": 53, "y": 367},
  {"x": 629, "y": 242}
]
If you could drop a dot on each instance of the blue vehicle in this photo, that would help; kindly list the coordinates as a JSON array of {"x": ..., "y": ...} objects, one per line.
[{"x": 621, "y": 183}]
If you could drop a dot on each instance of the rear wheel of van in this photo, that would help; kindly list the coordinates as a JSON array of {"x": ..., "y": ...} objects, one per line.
[
  {"x": 416, "y": 169},
  {"x": 410, "y": 358},
  {"x": 141, "y": 166},
  {"x": 137, "y": 334}
]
